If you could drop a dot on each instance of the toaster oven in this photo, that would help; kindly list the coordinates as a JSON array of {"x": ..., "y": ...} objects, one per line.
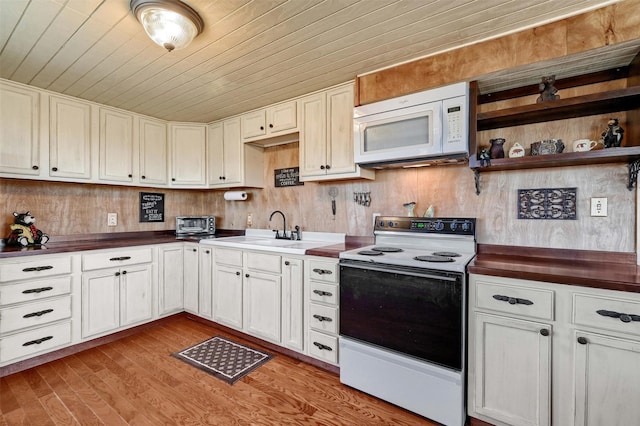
[{"x": 195, "y": 225}]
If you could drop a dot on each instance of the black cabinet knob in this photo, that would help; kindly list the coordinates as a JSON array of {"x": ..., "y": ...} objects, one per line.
[
  {"x": 207, "y": 251},
  {"x": 582, "y": 340},
  {"x": 124, "y": 272},
  {"x": 287, "y": 263},
  {"x": 35, "y": 167},
  {"x": 117, "y": 274},
  {"x": 321, "y": 167},
  {"x": 544, "y": 332},
  {"x": 194, "y": 250},
  {"x": 246, "y": 275},
  {"x": 54, "y": 169},
  {"x": 271, "y": 126},
  {"x": 328, "y": 167},
  {"x": 143, "y": 177},
  {"x": 130, "y": 175},
  {"x": 261, "y": 127},
  {"x": 173, "y": 179},
  {"x": 237, "y": 273}
]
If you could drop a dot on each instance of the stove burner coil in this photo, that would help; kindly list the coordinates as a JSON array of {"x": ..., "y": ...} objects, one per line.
[
  {"x": 446, "y": 254},
  {"x": 370, "y": 253},
  {"x": 433, "y": 259},
  {"x": 387, "y": 249}
]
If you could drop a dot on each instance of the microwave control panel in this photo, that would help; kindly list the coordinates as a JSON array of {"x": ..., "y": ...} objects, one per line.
[
  {"x": 455, "y": 112},
  {"x": 454, "y": 123}
]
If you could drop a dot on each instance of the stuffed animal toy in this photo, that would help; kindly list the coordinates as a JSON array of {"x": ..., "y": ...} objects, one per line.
[{"x": 24, "y": 232}]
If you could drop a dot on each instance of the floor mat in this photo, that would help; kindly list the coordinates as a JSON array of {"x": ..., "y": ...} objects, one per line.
[{"x": 223, "y": 358}]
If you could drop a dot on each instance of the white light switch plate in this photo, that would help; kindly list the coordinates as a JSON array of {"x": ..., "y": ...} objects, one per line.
[
  {"x": 112, "y": 219},
  {"x": 598, "y": 207}
]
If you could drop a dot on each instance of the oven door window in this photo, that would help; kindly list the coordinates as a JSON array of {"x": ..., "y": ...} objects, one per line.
[{"x": 414, "y": 315}]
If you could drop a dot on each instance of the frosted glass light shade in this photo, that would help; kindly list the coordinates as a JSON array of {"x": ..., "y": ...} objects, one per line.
[{"x": 169, "y": 23}]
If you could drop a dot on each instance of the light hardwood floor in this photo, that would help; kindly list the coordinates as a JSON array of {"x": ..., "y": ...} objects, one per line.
[{"x": 135, "y": 381}]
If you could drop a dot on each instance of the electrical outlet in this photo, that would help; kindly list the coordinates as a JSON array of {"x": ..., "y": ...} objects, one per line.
[
  {"x": 249, "y": 220},
  {"x": 112, "y": 219},
  {"x": 598, "y": 207},
  {"x": 373, "y": 218}
]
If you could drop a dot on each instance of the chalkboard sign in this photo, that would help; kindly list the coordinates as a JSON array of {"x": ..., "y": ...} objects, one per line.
[
  {"x": 287, "y": 177},
  {"x": 151, "y": 207}
]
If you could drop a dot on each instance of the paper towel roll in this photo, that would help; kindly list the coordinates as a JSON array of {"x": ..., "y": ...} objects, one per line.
[{"x": 235, "y": 195}]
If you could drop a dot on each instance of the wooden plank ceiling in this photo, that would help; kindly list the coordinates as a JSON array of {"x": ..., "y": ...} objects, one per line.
[{"x": 252, "y": 53}]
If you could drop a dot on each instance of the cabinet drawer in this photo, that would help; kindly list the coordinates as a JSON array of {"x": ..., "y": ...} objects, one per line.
[
  {"x": 34, "y": 290},
  {"x": 617, "y": 314},
  {"x": 34, "y": 314},
  {"x": 513, "y": 299},
  {"x": 36, "y": 267},
  {"x": 323, "y": 347},
  {"x": 34, "y": 341},
  {"x": 323, "y": 271},
  {"x": 323, "y": 318},
  {"x": 321, "y": 292},
  {"x": 116, "y": 258},
  {"x": 263, "y": 262},
  {"x": 228, "y": 257}
]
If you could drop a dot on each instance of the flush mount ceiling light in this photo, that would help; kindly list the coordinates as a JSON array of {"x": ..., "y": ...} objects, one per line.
[{"x": 169, "y": 23}]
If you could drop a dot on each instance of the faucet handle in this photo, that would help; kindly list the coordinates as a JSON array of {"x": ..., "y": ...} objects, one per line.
[{"x": 297, "y": 232}]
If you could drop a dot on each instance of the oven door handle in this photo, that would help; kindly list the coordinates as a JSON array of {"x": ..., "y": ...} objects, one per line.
[{"x": 412, "y": 273}]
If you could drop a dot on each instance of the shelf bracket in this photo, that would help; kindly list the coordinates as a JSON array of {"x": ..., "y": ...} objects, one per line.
[
  {"x": 634, "y": 167},
  {"x": 476, "y": 173}
]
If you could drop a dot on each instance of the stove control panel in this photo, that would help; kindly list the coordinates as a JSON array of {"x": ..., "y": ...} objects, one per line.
[{"x": 456, "y": 226}]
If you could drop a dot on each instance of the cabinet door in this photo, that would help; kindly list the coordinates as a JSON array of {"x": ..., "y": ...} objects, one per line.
[
  {"x": 20, "y": 130},
  {"x": 205, "y": 270},
  {"x": 282, "y": 118},
  {"x": 215, "y": 154},
  {"x": 253, "y": 124},
  {"x": 512, "y": 370},
  {"x": 69, "y": 138},
  {"x": 607, "y": 374},
  {"x": 340, "y": 130},
  {"x": 171, "y": 275},
  {"x": 262, "y": 303},
  {"x": 116, "y": 146},
  {"x": 136, "y": 296},
  {"x": 232, "y": 153},
  {"x": 227, "y": 296},
  {"x": 313, "y": 135},
  {"x": 292, "y": 304},
  {"x": 153, "y": 151},
  {"x": 188, "y": 150},
  {"x": 100, "y": 302},
  {"x": 191, "y": 276}
]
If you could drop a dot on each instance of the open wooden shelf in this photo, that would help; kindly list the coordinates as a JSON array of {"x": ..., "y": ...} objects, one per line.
[{"x": 579, "y": 106}]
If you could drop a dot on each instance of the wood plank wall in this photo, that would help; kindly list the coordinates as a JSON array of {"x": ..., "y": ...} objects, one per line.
[{"x": 602, "y": 27}]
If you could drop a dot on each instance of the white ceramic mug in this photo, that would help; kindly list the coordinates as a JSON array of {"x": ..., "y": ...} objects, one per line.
[{"x": 584, "y": 145}]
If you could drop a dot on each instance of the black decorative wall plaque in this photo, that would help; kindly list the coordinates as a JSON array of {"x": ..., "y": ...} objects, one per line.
[
  {"x": 287, "y": 177},
  {"x": 151, "y": 207},
  {"x": 547, "y": 203}
]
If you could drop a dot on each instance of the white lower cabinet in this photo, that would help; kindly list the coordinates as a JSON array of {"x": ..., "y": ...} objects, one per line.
[
  {"x": 292, "y": 303},
  {"x": 262, "y": 303},
  {"x": 205, "y": 282},
  {"x": 227, "y": 295},
  {"x": 191, "y": 259},
  {"x": 116, "y": 297},
  {"x": 170, "y": 279},
  {"x": 543, "y": 353},
  {"x": 321, "y": 289}
]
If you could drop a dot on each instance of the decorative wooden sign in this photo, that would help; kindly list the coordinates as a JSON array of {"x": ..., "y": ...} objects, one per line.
[
  {"x": 287, "y": 177},
  {"x": 151, "y": 207}
]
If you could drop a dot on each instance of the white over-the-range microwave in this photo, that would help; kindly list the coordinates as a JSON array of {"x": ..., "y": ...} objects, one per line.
[{"x": 425, "y": 127}]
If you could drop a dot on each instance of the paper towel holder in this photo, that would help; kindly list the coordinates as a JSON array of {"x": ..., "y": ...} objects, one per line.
[{"x": 236, "y": 196}]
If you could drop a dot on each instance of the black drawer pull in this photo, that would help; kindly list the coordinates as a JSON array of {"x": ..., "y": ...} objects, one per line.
[
  {"x": 37, "y": 314},
  {"x": 37, "y": 341},
  {"x": 322, "y": 271},
  {"x": 322, "y": 347},
  {"x": 544, "y": 332},
  {"x": 37, "y": 268},
  {"x": 582, "y": 340},
  {"x": 321, "y": 318},
  {"x": 623, "y": 317},
  {"x": 512, "y": 300},
  {"x": 115, "y": 259},
  {"x": 37, "y": 290},
  {"x": 322, "y": 293}
]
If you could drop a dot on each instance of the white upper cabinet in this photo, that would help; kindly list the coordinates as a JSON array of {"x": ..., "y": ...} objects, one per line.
[
  {"x": 276, "y": 120},
  {"x": 20, "y": 130},
  {"x": 326, "y": 136},
  {"x": 153, "y": 151},
  {"x": 188, "y": 154},
  {"x": 232, "y": 163},
  {"x": 116, "y": 146},
  {"x": 69, "y": 138}
]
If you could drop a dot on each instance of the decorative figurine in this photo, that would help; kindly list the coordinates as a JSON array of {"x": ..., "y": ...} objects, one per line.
[
  {"x": 24, "y": 232},
  {"x": 429, "y": 212},
  {"x": 484, "y": 157},
  {"x": 547, "y": 89},
  {"x": 410, "y": 206},
  {"x": 612, "y": 137},
  {"x": 516, "y": 151},
  {"x": 497, "y": 148}
]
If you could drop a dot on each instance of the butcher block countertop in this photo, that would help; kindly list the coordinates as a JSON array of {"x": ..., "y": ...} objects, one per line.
[{"x": 607, "y": 270}]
